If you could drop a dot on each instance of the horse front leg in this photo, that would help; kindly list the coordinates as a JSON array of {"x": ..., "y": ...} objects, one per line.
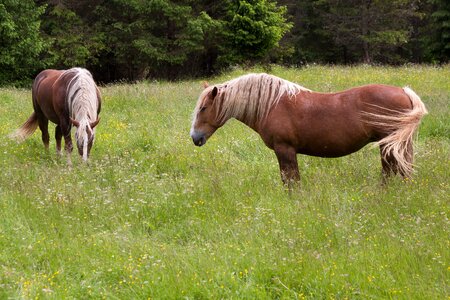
[
  {"x": 58, "y": 138},
  {"x": 68, "y": 147},
  {"x": 287, "y": 160},
  {"x": 65, "y": 130}
]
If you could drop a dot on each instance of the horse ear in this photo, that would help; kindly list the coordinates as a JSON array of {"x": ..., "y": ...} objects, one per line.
[
  {"x": 93, "y": 124},
  {"x": 205, "y": 84},
  {"x": 214, "y": 92},
  {"x": 74, "y": 122}
]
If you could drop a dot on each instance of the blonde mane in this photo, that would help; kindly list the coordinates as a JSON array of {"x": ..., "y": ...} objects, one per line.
[
  {"x": 250, "y": 98},
  {"x": 82, "y": 102}
]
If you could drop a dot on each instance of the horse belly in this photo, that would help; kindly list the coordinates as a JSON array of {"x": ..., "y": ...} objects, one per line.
[
  {"x": 332, "y": 141},
  {"x": 329, "y": 149}
]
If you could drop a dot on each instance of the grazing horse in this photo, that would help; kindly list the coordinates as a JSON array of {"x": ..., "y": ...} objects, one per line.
[
  {"x": 65, "y": 97},
  {"x": 292, "y": 119}
]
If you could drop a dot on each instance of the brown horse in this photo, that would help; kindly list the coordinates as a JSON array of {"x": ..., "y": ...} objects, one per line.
[
  {"x": 65, "y": 97},
  {"x": 292, "y": 119}
]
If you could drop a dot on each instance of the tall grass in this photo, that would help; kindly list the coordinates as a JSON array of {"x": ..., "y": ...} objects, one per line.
[{"x": 153, "y": 216}]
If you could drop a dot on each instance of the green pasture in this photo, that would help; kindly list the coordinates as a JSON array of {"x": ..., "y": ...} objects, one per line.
[{"x": 154, "y": 217}]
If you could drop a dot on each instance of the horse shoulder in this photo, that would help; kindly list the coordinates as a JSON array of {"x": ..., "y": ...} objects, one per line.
[{"x": 283, "y": 122}]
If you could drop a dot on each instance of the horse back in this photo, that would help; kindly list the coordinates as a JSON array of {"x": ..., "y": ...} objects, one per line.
[{"x": 331, "y": 124}]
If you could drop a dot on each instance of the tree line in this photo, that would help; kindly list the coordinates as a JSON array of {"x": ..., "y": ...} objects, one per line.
[{"x": 171, "y": 39}]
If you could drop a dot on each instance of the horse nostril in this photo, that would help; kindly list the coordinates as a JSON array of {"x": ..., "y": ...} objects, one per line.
[
  {"x": 202, "y": 141},
  {"x": 199, "y": 141}
]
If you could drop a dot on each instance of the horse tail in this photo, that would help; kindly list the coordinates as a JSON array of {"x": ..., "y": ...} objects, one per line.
[
  {"x": 402, "y": 127},
  {"x": 26, "y": 129}
]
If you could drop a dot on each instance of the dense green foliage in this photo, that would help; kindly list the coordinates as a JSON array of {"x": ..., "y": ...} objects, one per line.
[
  {"x": 164, "y": 39},
  {"x": 20, "y": 40},
  {"x": 440, "y": 35},
  {"x": 153, "y": 216},
  {"x": 253, "y": 29},
  {"x": 383, "y": 31},
  {"x": 150, "y": 37}
]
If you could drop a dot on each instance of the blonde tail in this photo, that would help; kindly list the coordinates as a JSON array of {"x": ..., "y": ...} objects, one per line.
[
  {"x": 26, "y": 129},
  {"x": 403, "y": 125}
]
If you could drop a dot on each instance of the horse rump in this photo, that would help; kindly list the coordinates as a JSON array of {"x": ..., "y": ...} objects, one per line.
[{"x": 401, "y": 127}]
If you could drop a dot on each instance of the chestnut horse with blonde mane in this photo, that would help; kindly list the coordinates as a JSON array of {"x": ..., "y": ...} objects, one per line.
[
  {"x": 292, "y": 119},
  {"x": 65, "y": 97}
]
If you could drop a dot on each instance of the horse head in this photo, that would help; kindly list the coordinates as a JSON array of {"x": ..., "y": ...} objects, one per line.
[
  {"x": 84, "y": 136},
  {"x": 205, "y": 121}
]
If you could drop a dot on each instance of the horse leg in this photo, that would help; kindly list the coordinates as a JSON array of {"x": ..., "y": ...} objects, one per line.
[
  {"x": 58, "y": 137},
  {"x": 43, "y": 126},
  {"x": 65, "y": 130},
  {"x": 68, "y": 147},
  {"x": 287, "y": 159},
  {"x": 388, "y": 164},
  {"x": 409, "y": 157}
]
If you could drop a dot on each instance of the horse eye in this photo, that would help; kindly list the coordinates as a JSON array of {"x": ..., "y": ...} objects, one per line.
[{"x": 202, "y": 108}]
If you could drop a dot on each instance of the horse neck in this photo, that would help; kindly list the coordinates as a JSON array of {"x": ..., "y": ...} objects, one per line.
[
  {"x": 247, "y": 108},
  {"x": 82, "y": 97},
  {"x": 250, "y": 98},
  {"x": 243, "y": 117},
  {"x": 235, "y": 106}
]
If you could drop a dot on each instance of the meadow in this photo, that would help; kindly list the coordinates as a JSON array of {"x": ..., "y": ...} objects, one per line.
[{"x": 154, "y": 217}]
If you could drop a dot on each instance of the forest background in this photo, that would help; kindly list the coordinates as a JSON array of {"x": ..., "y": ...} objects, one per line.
[{"x": 159, "y": 39}]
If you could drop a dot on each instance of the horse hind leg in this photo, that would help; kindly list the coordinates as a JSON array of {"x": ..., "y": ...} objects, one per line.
[
  {"x": 409, "y": 158},
  {"x": 390, "y": 164},
  {"x": 43, "y": 126}
]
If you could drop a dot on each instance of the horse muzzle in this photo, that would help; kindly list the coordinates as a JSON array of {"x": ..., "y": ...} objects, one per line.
[{"x": 199, "y": 139}]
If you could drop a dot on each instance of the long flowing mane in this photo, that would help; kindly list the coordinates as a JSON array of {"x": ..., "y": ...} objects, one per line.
[
  {"x": 81, "y": 99},
  {"x": 250, "y": 97},
  {"x": 81, "y": 95}
]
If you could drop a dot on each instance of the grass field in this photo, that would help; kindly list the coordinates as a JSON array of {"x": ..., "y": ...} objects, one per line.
[{"x": 153, "y": 216}]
